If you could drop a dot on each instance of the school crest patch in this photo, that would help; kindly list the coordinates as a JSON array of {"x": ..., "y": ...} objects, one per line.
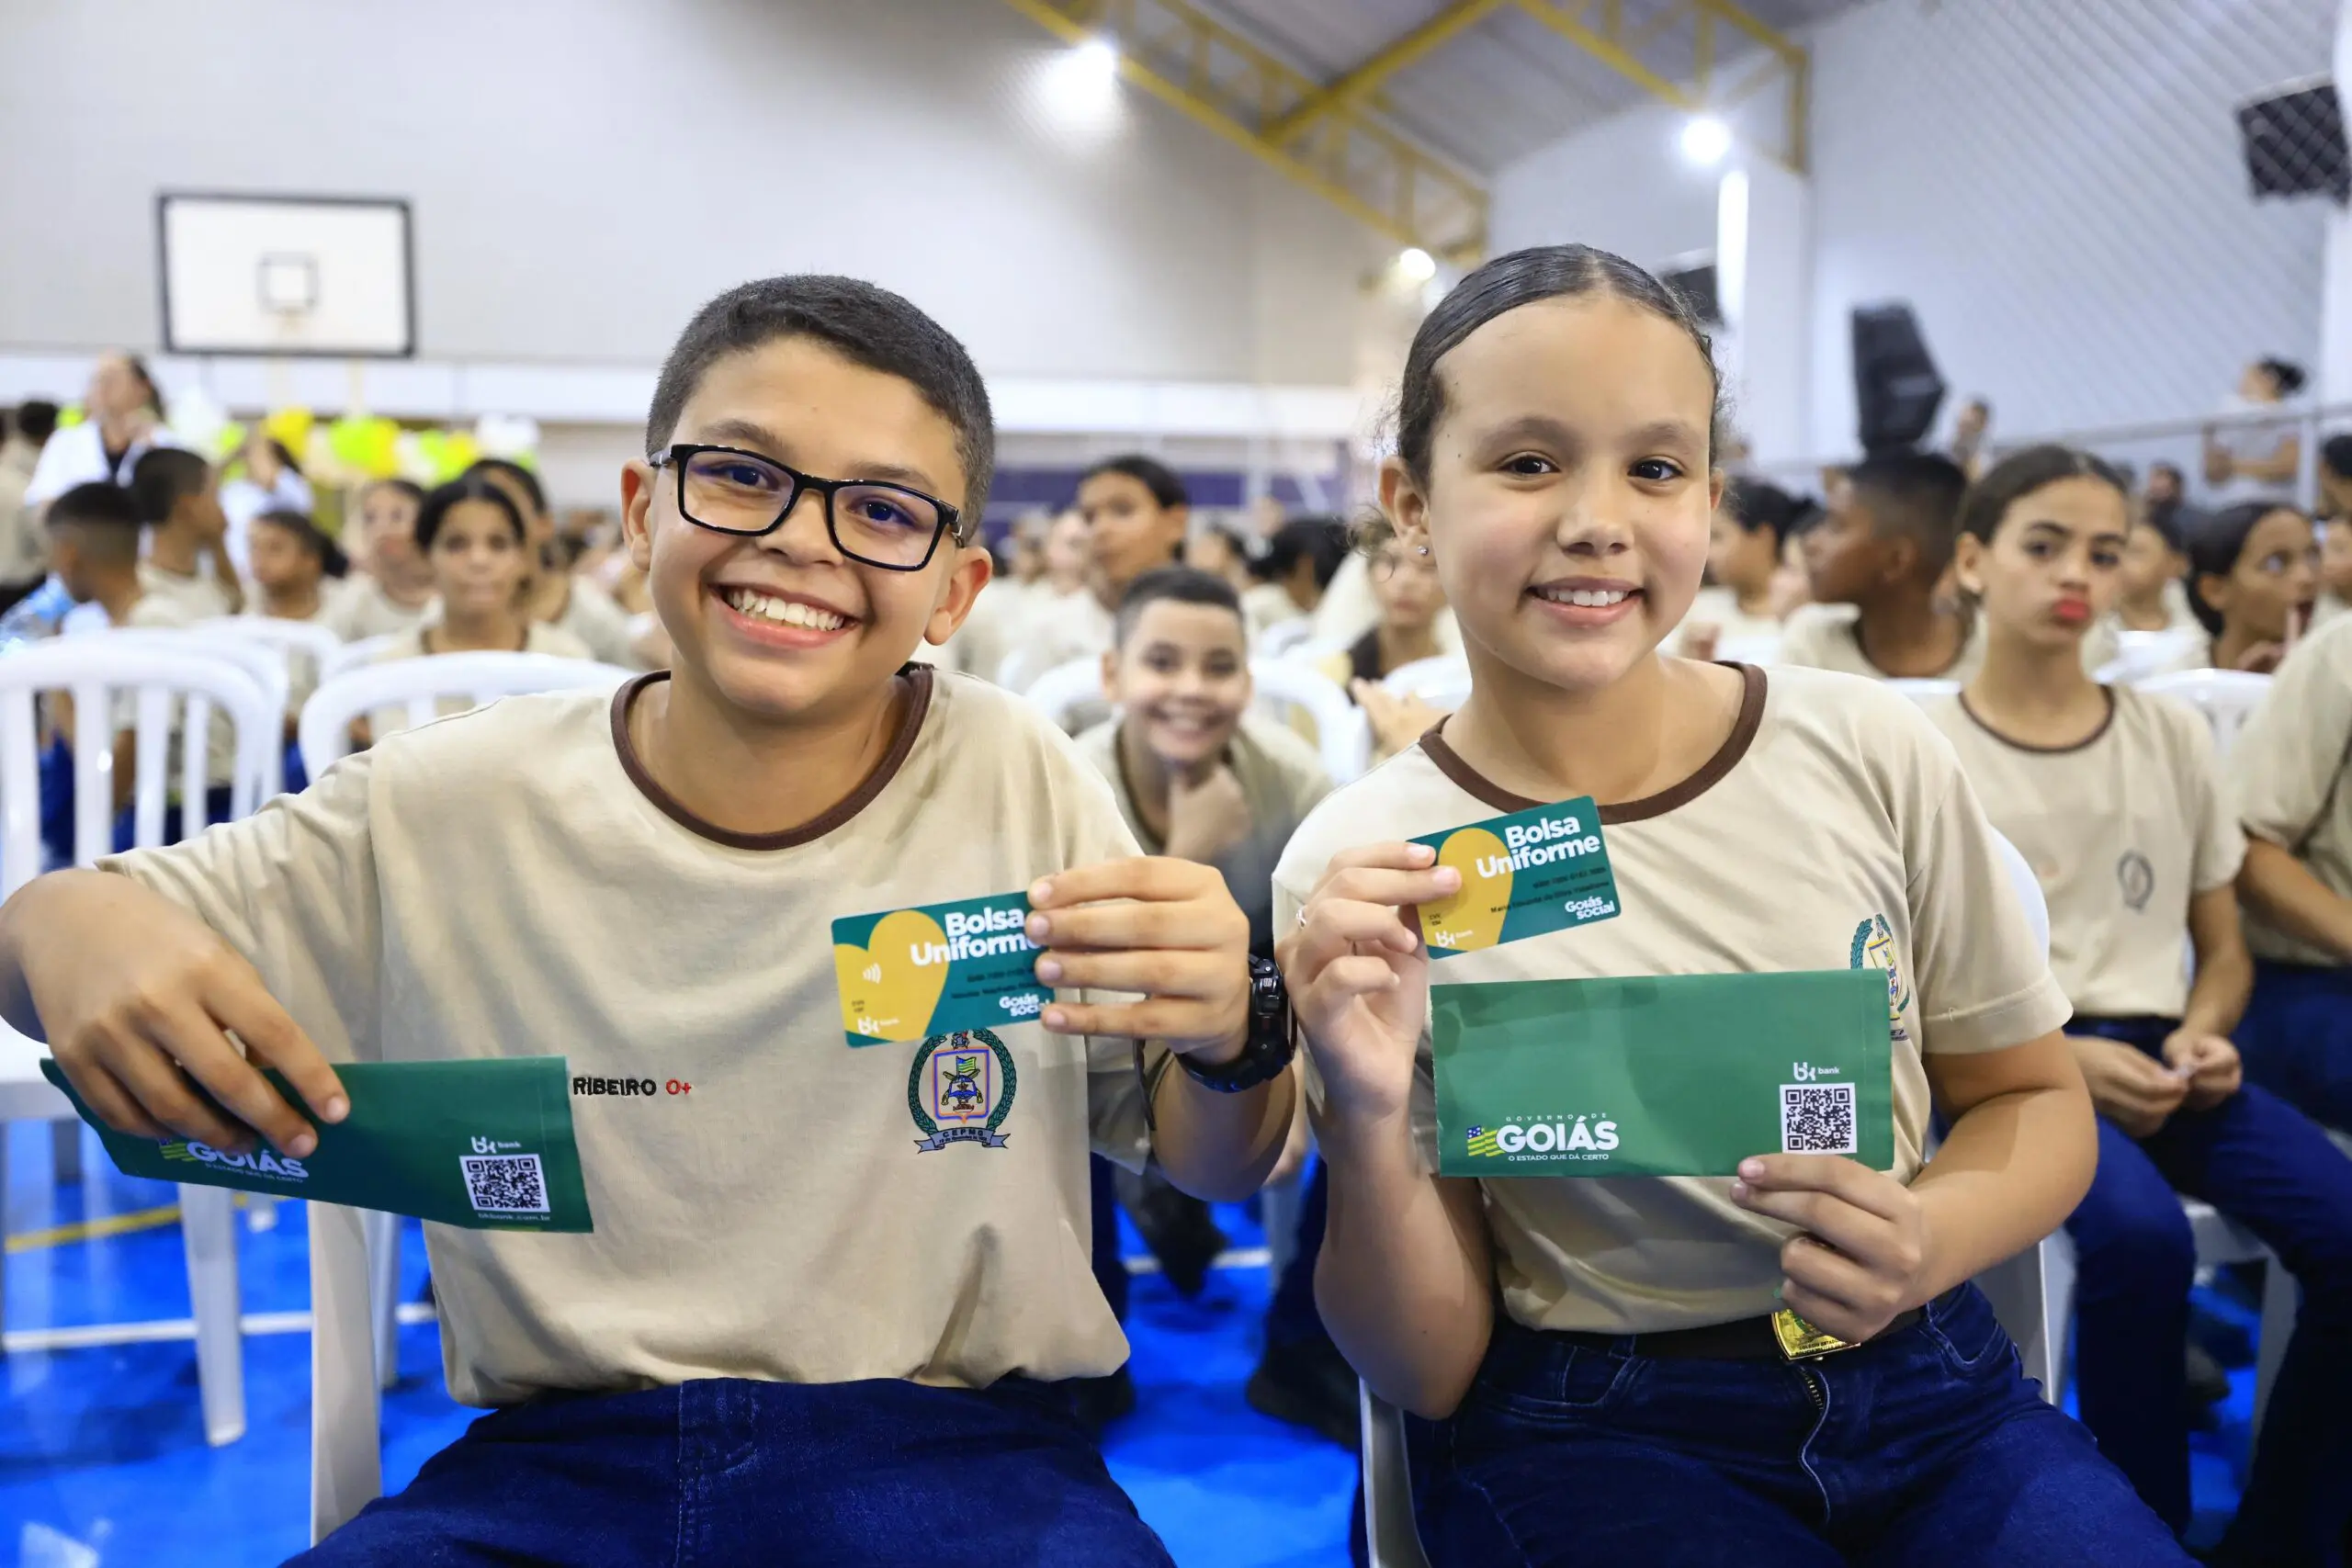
[
  {"x": 1875, "y": 949},
  {"x": 960, "y": 1089},
  {"x": 2137, "y": 878}
]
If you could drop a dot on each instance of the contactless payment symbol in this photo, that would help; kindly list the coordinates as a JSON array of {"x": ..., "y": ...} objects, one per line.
[
  {"x": 888, "y": 991},
  {"x": 960, "y": 1091}
]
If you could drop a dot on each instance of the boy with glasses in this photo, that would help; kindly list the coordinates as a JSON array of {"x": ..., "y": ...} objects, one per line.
[{"x": 801, "y": 1331}]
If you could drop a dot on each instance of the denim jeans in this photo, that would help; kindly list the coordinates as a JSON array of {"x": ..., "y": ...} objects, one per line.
[
  {"x": 727, "y": 1472},
  {"x": 1924, "y": 1448},
  {"x": 2296, "y": 1038},
  {"x": 2263, "y": 1163}
]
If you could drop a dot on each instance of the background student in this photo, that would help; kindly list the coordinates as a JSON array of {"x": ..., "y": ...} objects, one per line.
[
  {"x": 1298, "y": 566},
  {"x": 294, "y": 566},
  {"x": 555, "y": 596},
  {"x": 265, "y": 477},
  {"x": 1200, "y": 778},
  {"x": 1412, "y": 602},
  {"x": 188, "y": 563},
  {"x": 24, "y": 548},
  {"x": 394, "y": 588},
  {"x": 1599, "y": 1359},
  {"x": 2113, "y": 796},
  {"x": 1883, "y": 549},
  {"x": 1744, "y": 544},
  {"x": 798, "y": 1325},
  {"x": 2287, "y": 772},
  {"x": 2253, "y": 576},
  {"x": 2153, "y": 592},
  {"x": 93, "y": 541}
]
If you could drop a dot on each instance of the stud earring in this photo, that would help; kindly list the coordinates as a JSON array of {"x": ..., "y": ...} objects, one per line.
[{"x": 1420, "y": 549}]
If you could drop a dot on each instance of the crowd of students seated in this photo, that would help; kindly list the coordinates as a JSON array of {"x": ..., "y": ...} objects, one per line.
[{"x": 801, "y": 1333}]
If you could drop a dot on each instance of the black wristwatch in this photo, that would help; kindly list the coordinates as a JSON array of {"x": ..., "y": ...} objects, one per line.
[{"x": 1268, "y": 1048}]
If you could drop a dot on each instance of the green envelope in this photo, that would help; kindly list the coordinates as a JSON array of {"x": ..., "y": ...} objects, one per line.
[
  {"x": 484, "y": 1144},
  {"x": 1676, "y": 1075}
]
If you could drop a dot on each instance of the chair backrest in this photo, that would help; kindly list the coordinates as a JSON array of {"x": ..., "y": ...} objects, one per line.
[
  {"x": 1342, "y": 732},
  {"x": 1442, "y": 682},
  {"x": 1022, "y": 667},
  {"x": 158, "y": 674},
  {"x": 353, "y": 654},
  {"x": 2224, "y": 696},
  {"x": 2027, "y": 888},
  {"x": 2139, "y": 655},
  {"x": 266, "y": 664},
  {"x": 1285, "y": 636},
  {"x": 1391, "y": 1537},
  {"x": 419, "y": 686},
  {"x": 1919, "y": 691},
  {"x": 286, "y": 636},
  {"x": 1761, "y": 649},
  {"x": 1064, "y": 689}
]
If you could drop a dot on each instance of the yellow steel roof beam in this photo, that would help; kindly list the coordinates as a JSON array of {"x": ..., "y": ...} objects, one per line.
[
  {"x": 1361, "y": 81},
  {"x": 1381, "y": 179},
  {"x": 1607, "y": 39}
]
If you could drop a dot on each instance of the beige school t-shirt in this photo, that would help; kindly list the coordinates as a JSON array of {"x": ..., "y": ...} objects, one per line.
[
  {"x": 591, "y": 618},
  {"x": 2121, "y": 831},
  {"x": 1828, "y": 636},
  {"x": 1833, "y": 830},
  {"x": 364, "y": 610},
  {"x": 512, "y": 882},
  {"x": 154, "y": 612},
  {"x": 2287, "y": 770},
  {"x": 196, "y": 598},
  {"x": 1282, "y": 778}
]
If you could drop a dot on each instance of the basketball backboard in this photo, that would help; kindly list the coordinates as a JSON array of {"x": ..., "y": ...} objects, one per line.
[{"x": 277, "y": 274}]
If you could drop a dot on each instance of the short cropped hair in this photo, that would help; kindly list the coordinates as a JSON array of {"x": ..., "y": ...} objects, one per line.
[
  {"x": 1916, "y": 496},
  {"x": 1166, "y": 485},
  {"x": 1323, "y": 540},
  {"x": 332, "y": 562},
  {"x": 524, "y": 479},
  {"x": 1173, "y": 584},
  {"x": 866, "y": 325},
  {"x": 162, "y": 477},
  {"x": 36, "y": 420},
  {"x": 103, "y": 517},
  {"x": 2337, "y": 453},
  {"x": 466, "y": 487},
  {"x": 1753, "y": 504}
]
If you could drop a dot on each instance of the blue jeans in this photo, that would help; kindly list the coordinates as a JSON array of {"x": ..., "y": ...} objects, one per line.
[
  {"x": 2296, "y": 1038},
  {"x": 728, "y": 1472},
  {"x": 2264, "y": 1164},
  {"x": 1291, "y": 1317},
  {"x": 1925, "y": 1448}
]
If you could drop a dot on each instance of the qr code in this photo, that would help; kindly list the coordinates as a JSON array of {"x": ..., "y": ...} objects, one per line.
[
  {"x": 506, "y": 1184},
  {"x": 1818, "y": 1119}
]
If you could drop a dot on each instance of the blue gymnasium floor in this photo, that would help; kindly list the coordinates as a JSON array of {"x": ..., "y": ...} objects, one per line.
[{"x": 103, "y": 1461}]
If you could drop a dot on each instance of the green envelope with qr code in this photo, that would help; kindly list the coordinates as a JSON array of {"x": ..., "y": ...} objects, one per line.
[
  {"x": 483, "y": 1144},
  {"x": 1675, "y": 1075}
]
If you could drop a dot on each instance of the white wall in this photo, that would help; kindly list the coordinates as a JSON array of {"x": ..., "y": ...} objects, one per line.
[
  {"x": 1621, "y": 185},
  {"x": 586, "y": 171},
  {"x": 2056, "y": 187}
]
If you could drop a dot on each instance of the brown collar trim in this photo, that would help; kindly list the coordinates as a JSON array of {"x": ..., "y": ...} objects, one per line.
[
  {"x": 1743, "y": 734},
  {"x": 919, "y": 679},
  {"x": 2016, "y": 745}
]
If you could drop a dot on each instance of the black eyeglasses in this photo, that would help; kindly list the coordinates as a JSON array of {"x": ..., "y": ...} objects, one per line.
[{"x": 729, "y": 490}]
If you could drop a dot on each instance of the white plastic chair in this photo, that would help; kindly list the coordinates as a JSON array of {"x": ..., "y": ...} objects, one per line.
[
  {"x": 1064, "y": 690},
  {"x": 266, "y": 665},
  {"x": 2016, "y": 1290},
  {"x": 305, "y": 637},
  {"x": 1442, "y": 682},
  {"x": 419, "y": 686},
  {"x": 2138, "y": 656},
  {"x": 1020, "y": 668},
  {"x": 1342, "y": 732},
  {"x": 1921, "y": 690},
  {"x": 353, "y": 656},
  {"x": 1285, "y": 637},
  {"x": 161, "y": 676},
  {"x": 2226, "y": 698}
]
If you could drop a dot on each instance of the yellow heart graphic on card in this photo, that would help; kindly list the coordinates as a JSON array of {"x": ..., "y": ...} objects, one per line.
[
  {"x": 1473, "y": 917},
  {"x": 891, "y": 984}
]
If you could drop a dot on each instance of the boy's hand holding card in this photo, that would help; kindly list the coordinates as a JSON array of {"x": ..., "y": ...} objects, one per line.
[{"x": 1164, "y": 929}]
